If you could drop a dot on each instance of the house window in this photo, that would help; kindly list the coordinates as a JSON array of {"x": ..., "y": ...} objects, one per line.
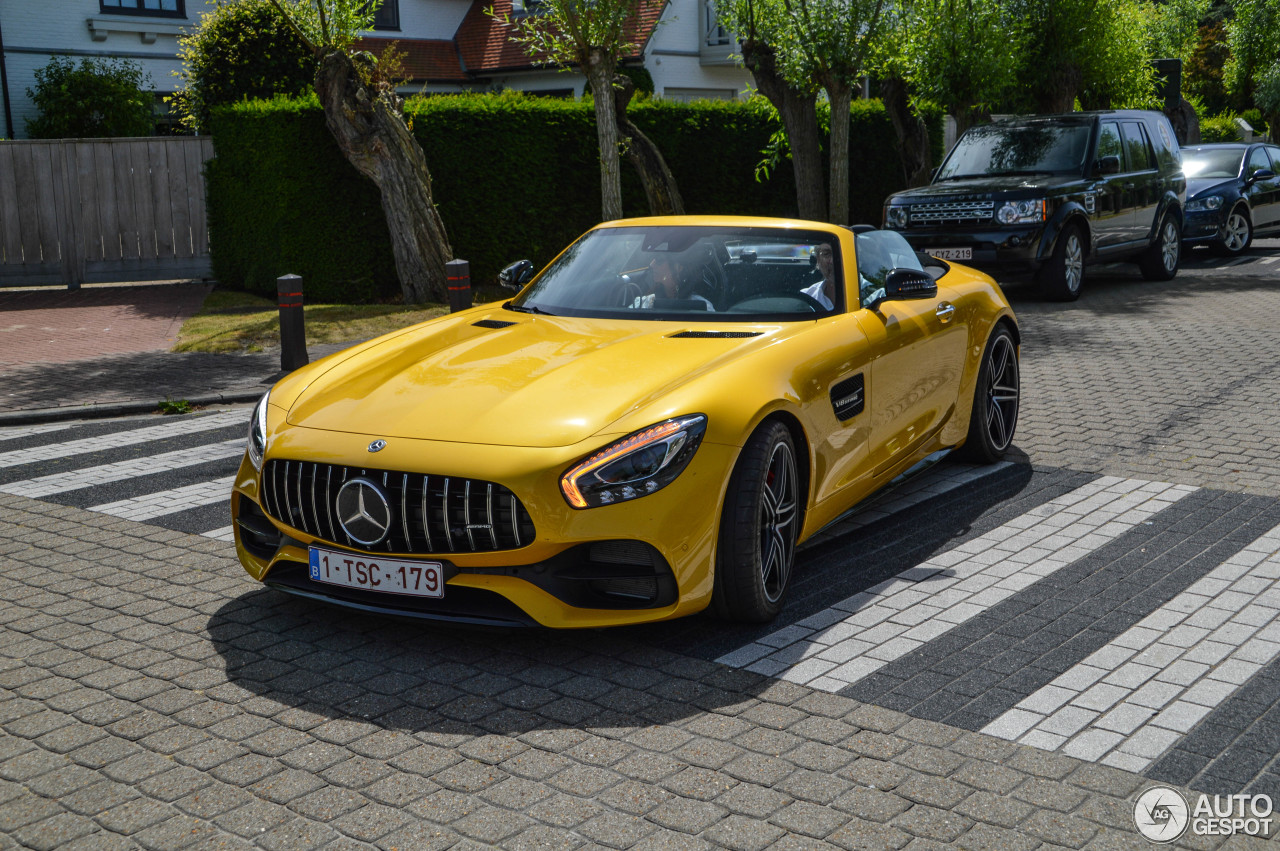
[
  {"x": 153, "y": 8},
  {"x": 714, "y": 35},
  {"x": 388, "y": 15}
]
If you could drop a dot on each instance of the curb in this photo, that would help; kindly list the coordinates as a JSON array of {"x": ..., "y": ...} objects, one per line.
[{"x": 37, "y": 416}]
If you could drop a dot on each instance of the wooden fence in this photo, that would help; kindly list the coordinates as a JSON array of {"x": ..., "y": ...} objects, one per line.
[{"x": 93, "y": 210}]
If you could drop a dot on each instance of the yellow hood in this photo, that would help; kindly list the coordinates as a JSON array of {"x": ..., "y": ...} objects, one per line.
[{"x": 541, "y": 382}]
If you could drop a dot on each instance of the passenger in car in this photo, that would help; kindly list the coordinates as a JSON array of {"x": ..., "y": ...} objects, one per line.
[{"x": 667, "y": 275}]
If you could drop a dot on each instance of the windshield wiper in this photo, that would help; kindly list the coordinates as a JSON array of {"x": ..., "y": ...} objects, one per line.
[{"x": 533, "y": 308}]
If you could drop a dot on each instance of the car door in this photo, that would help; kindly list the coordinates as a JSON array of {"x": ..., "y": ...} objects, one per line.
[
  {"x": 1113, "y": 215},
  {"x": 917, "y": 351},
  {"x": 1264, "y": 195},
  {"x": 1143, "y": 181}
]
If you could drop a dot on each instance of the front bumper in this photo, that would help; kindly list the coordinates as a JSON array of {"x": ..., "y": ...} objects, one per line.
[
  {"x": 1014, "y": 250},
  {"x": 644, "y": 560},
  {"x": 1204, "y": 226}
]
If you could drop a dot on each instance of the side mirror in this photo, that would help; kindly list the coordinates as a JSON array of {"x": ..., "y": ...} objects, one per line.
[
  {"x": 1107, "y": 165},
  {"x": 1262, "y": 174},
  {"x": 515, "y": 276},
  {"x": 905, "y": 285}
]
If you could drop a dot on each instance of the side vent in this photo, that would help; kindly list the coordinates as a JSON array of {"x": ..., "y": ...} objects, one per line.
[
  {"x": 492, "y": 323},
  {"x": 848, "y": 397},
  {"x": 712, "y": 335}
]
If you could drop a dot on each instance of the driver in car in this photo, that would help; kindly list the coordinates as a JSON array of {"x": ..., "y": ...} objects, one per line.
[
  {"x": 824, "y": 291},
  {"x": 667, "y": 275}
]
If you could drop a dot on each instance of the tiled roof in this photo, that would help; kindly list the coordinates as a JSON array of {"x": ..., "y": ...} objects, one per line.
[
  {"x": 425, "y": 60},
  {"x": 485, "y": 45}
]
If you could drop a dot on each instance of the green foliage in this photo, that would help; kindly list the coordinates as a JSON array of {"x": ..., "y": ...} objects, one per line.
[
  {"x": 1267, "y": 97},
  {"x": 95, "y": 99},
  {"x": 1202, "y": 74},
  {"x": 1254, "y": 38},
  {"x": 329, "y": 23},
  {"x": 1173, "y": 28},
  {"x": 575, "y": 33},
  {"x": 240, "y": 50},
  {"x": 1220, "y": 128},
  {"x": 174, "y": 406},
  {"x": 513, "y": 176}
]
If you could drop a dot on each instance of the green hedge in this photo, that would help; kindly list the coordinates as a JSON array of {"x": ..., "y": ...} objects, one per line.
[
  {"x": 1220, "y": 128},
  {"x": 513, "y": 176}
]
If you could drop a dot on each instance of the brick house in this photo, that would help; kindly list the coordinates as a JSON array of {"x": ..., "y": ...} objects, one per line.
[{"x": 450, "y": 45}]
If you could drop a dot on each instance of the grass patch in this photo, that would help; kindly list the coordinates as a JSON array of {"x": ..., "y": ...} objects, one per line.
[{"x": 232, "y": 321}]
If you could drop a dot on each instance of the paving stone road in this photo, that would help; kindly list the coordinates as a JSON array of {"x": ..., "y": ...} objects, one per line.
[{"x": 152, "y": 696}]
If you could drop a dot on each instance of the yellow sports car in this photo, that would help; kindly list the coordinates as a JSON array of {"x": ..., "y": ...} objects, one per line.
[{"x": 649, "y": 428}]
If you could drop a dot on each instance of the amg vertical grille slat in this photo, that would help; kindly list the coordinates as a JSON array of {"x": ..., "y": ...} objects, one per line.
[{"x": 427, "y": 519}]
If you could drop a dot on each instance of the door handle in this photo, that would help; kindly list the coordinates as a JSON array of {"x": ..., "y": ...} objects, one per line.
[{"x": 945, "y": 311}]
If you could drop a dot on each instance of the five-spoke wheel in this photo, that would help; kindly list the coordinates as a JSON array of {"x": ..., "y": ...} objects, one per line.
[
  {"x": 1237, "y": 233},
  {"x": 995, "y": 400}
]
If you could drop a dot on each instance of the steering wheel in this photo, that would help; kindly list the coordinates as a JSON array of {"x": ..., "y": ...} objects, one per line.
[
  {"x": 810, "y": 302},
  {"x": 630, "y": 292}
]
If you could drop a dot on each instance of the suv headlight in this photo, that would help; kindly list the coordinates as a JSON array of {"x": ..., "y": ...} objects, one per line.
[
  {"x": 1021, "y": 212},
  {"x": 897, "y": 216},
  {"x": 1208, "y": 202},
  {"x": 258, "y": 432},
  {"x": 636, "y": 466}
]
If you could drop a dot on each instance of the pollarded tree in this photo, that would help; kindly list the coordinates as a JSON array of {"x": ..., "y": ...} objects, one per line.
[
  {"x": 366, "y": 118},
  {"x": 830, "y": 41},
  {"x": 591, "y": 35}
]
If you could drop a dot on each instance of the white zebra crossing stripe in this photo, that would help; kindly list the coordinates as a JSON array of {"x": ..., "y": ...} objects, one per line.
[
  {"x": 861, "y": 634},
  {"x": 1128, "y": 702},
  {"x": 121, "y": 470},
  {"x": 116, "y": 440},
  {"x": 170, "y": 501},
  {"x": 15, "y": 432}
]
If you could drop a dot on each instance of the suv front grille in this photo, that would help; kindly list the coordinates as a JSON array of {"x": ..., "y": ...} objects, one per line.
[
  {"x": 429, "y": 514},
  {"x": 952, "y": 212}
]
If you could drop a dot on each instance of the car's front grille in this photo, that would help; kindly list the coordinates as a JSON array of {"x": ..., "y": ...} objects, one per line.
[
  {"x": 429, "y": 514},
  {"x": 951, "y": 212}
]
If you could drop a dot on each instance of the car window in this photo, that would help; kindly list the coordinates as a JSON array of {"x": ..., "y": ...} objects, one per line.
[
  {"x": 1135, "y": 144},
  {"x": 1034, "y": 147},
  {"x": 731, "y": 274},
  {"x": 1275, "y": 159},
  {"x": 1212, "y": 162},
  {"x": 1258, "y": 160},
  {"x": 879, "y": 252},
  {"x": 1109, "y": 144}
]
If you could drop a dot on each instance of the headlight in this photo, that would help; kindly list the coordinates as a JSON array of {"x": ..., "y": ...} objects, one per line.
[
  {"x": 635, "y": 466},
  {"x": 1021, "y": 212},
  {"x": 1208, "y": 202},
  {"x": 897, "y": 217},
  {"x": 258, "y": 432}
]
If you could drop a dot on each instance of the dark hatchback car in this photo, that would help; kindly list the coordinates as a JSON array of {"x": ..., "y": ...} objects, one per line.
[
  {"x": 1044, "y": 195},
  {"x": 1233, "y": 194}
]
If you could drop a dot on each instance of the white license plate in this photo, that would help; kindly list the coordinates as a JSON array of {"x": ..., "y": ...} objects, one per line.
[
  {"x": 371, "y": 573},
  {"x": 950, "y": 253}
]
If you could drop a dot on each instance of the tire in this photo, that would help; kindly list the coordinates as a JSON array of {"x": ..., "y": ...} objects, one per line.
[
  {"x": 1237, "y": 233},
  {"x": 995, "y": 401},
  {"x": 1160, "y": 261},
  {"x": 1063, "y": 276},
  {"x": 758, "y": 528}
]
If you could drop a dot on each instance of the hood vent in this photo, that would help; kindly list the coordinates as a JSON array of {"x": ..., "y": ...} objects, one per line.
[
  {"x": 492, "y": 323},
  {"x": 715, "y": 335}
]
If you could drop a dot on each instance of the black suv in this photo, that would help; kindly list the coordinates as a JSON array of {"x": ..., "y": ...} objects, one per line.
[{"x": 1046, "y": 194}]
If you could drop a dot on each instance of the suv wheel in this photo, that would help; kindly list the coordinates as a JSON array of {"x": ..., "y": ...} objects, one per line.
[
  {"x": 1160, "y": 261},
  {"x": 1061, "y": 278}
]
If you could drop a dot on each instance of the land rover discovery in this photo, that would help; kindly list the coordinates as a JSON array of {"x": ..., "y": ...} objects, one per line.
[{"x": 1044, "y": 195}]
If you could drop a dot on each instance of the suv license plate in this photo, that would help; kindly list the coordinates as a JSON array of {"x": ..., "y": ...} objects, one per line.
[
  {"x": 370, "y": 573},
  {"x": 950, "y": 253}
]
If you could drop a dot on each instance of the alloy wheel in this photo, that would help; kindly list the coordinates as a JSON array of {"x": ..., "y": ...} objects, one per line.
[
  {"x": 1073, "y": 262},
  {"x": 1169, "y": 246},
  {"x": 778, "y": 515},
  {"x": 1237, "y": 232},
  {"x": 1002, "y": 392}
]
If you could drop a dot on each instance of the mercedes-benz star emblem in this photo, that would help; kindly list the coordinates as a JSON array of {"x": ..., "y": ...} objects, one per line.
[
  {"x": 363, "y": 512},
  {"x": 377, "y": 446}
]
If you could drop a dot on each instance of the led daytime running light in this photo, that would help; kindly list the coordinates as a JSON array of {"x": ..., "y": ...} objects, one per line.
[{"x": 569, "y": 482}]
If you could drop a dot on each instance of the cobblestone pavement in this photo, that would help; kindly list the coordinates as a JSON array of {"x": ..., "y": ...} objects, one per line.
[
  {"x": 58, "y": 326},
  {"x": 152, "y": 696}
]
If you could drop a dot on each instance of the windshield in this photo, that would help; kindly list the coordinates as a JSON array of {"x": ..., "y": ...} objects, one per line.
[
  {"x": 1211, "y": 162},
  {"x": 733, "y": 274},
  {"x": 1008, "y": 149}
]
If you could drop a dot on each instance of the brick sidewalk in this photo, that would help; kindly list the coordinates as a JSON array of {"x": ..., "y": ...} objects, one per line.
[{"x": 57, "y": 326}]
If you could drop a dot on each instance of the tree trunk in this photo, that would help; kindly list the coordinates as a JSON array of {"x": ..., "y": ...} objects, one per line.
[
  {"x": 800, "y": 120},
  {"x": 660, "y": 188},
  {"x": 600, "y": 76},
  {"x": 371, "y": 133},
  {"x": 1060, "y": 91},
  {"x": 839, "y": 93},
  {"x": 913, "y": 134}
]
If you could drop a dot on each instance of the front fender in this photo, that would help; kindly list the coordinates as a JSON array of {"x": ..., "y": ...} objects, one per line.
[{"x": 1069, "y": 213}]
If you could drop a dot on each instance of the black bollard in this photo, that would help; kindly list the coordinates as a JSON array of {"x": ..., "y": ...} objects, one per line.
[
  {"x": 459, "y": 275},
  {"x": 293, "y": 334}
]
